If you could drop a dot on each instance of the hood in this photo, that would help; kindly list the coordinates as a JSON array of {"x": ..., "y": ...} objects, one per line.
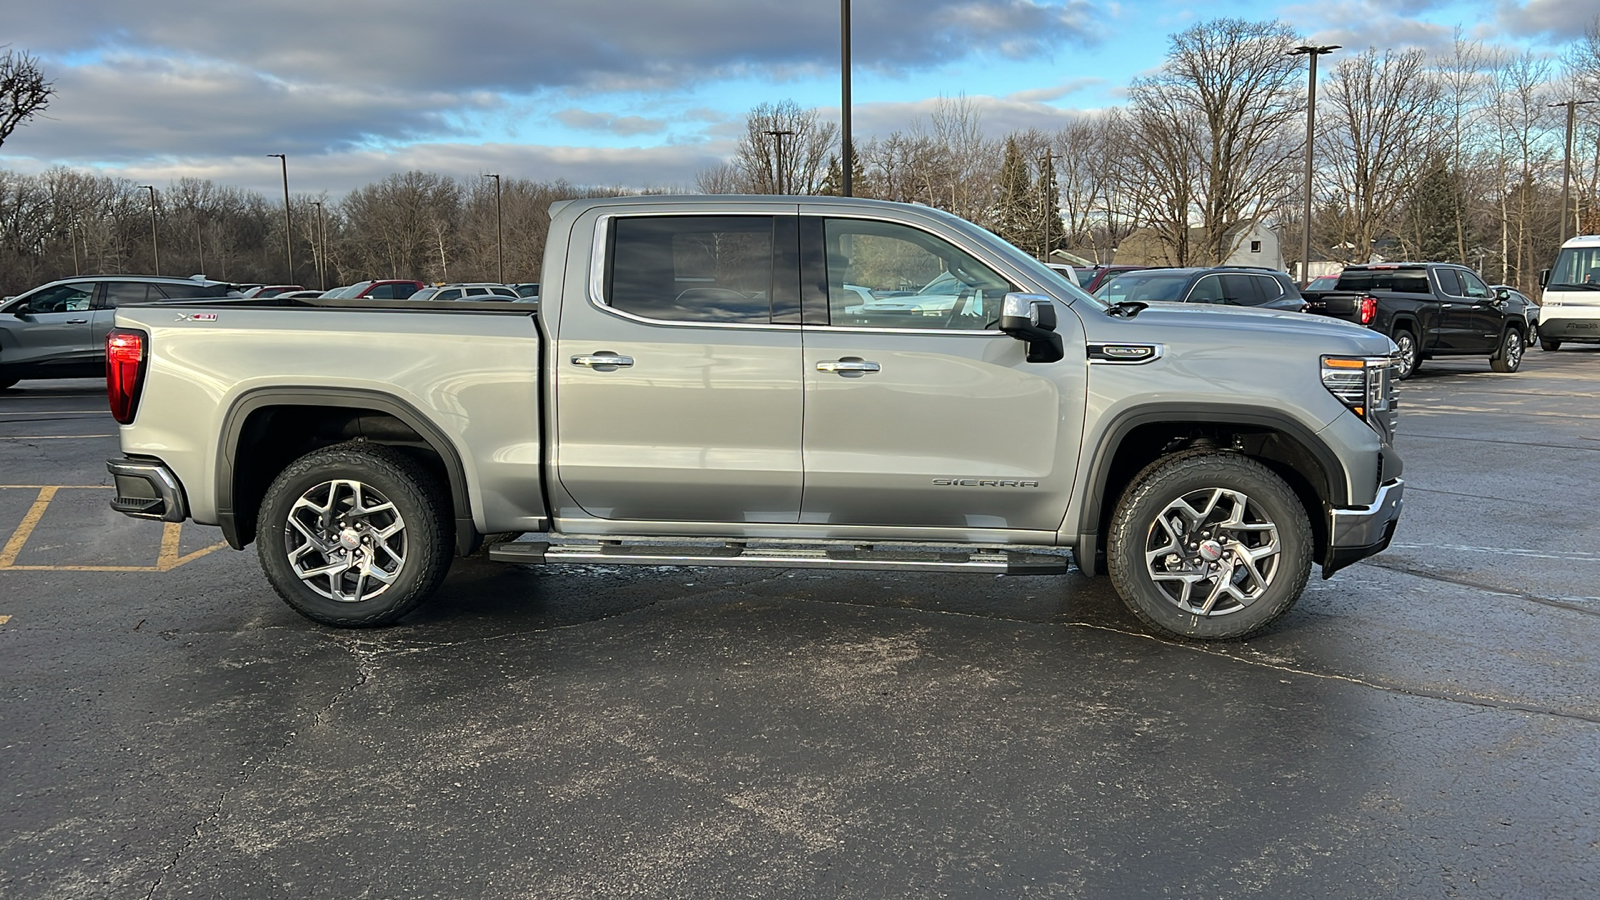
[{"x": 1184, "y": 322}]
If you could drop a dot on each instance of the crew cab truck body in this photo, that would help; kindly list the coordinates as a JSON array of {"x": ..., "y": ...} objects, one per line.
[
  {"x": 703, "y": 384},
  {"x": 1428, "y": 310},
  {"x": 1569, "y": 310}
]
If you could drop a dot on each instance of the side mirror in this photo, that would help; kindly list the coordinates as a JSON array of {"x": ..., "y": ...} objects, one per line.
[
  {"x": 1544, "y": 277},
  {"x": 1031, "y": 318},
  {"x": 1502, "y": 295}
]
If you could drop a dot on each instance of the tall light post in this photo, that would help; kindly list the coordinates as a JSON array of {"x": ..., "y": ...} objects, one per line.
[
  {"x": 288, "y": 233},
  {"x": 847, "y": 163},
  {"x": 499, "y": 235},
  {"x": 155, "y": 244},
  {"x": 1048, "y": 204},
  {"x": 1311, "y": 52},
  {"x": 778, "y": 134},
  {"x": 1566, "y": 166}
]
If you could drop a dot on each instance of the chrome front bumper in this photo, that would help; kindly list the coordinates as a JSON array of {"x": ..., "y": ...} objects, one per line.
[
  {"x": 147, "y": 489},
  {"x": 1355, "y": 534}
]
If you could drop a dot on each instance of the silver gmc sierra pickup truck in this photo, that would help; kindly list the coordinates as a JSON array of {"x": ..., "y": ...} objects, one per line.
[{"x": 767, "y": 381}]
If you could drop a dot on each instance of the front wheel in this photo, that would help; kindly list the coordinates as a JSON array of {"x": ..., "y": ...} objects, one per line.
[
  {"x": 1209, "y": 545},
  {"x": 354, "y": 535},
  {"x": 1408, "y": 356},
  {"x": 1509, "y": 356},
  {"x": 1549, "y": 344}
]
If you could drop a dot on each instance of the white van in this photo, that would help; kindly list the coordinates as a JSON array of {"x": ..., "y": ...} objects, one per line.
[{"x": 1570, "y": 308}]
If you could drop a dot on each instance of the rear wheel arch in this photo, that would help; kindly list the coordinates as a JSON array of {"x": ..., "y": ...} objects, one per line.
[
  {"x": 1289, "y": 449},
  {"x": 267, "y": 430}
]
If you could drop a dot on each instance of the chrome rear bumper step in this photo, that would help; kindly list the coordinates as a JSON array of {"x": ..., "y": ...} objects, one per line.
[{"x": 866, "y": 557}]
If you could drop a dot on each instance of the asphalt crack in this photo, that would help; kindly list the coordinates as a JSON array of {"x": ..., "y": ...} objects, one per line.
[{"x": 365, "y": 671}]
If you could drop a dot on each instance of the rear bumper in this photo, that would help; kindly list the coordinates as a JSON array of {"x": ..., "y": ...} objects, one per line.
[
  {"x": 147, "y": 489},
  {"x": 1356, "y": 534}
]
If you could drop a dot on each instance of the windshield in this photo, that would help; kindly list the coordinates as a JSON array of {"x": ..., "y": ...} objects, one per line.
[
  {"x": 348, "y": 291},
  {"x": 1144, "y": 286},
  {"x": 1577, "y": 269}
]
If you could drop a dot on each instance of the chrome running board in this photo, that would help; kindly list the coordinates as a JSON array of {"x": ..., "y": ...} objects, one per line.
[{"x": 783, "y": 555}]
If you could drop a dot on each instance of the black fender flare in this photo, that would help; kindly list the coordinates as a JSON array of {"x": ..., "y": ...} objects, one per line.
[
  {"x": 1099, "y": 475},
  {"x": 249, "y": 402}
]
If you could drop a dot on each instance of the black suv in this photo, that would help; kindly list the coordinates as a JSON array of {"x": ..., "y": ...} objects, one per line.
[
  {"x": 58, "y": 330},
  {"x": 1229, "y": 285}
]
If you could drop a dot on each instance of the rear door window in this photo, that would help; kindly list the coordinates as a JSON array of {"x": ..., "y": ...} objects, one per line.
[
  {"x": 127, "y": 293},
  {"x": 702, "y": 269},
  {"x": 1240, "y": 290}
]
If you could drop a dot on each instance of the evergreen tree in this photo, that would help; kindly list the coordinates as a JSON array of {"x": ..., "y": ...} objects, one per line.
[
  {"x": 1430, "y": 230},
  {"x": 833, "y": 181},
  {"x": 1016, "y": 217}
]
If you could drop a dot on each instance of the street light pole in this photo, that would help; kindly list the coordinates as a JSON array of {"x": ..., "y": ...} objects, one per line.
[
  {"x": 155, "y": 244},
  {"x": 1048, "y": 201},
  {"x": 847, "y": 162},
  {"x": 1311, "y": 52},
  {"x": 322, "y": 239},
  {"x": 499, "y": 235},
  {"x": 1566, "y": 166},
  {"x": 288, "y": 232},
  {"x": 778, "y": 135}
]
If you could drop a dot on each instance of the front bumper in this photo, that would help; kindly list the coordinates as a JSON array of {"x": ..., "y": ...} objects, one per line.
[
  {"x": 1557, "y": 328},
  {"x": 1355, "y": 534},
  {"x": 147, "y": 489}
]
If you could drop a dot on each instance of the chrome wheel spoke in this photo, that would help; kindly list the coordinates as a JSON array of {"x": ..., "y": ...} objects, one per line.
[
  {"x": 337, "y": 532},
  {"x": 1212, "y": 552}
]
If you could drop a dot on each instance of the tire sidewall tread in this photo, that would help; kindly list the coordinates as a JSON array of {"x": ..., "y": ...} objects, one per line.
[
  {"x": 417, "y": 497},
  {"x": 1172, "y": 476}
]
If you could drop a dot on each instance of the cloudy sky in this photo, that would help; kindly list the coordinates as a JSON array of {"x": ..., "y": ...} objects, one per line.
[{"x": 634, "y": 93}]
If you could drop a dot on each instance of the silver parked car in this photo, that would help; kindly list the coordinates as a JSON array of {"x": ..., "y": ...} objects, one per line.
[
  {"x": 465, "y": 291},
  {"x": 58, "y": 330}
]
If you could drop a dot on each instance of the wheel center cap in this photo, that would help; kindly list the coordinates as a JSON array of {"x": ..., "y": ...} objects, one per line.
[
  {"x": 1210, "y": 551},
  {"x": 349, "y": 539}
]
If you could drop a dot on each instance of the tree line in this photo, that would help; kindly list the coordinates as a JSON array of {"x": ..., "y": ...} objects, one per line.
[{"x": 1457, "y": 156}]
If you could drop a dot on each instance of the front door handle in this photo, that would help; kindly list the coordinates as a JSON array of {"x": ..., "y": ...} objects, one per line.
[
  {"x": 603, "y": 361},
  {"x": 77, "y": 321},
  {"x": 850, "y": 366}
]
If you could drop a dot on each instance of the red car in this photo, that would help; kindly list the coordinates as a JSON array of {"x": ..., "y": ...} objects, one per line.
[{"x": 383, "y": 289}]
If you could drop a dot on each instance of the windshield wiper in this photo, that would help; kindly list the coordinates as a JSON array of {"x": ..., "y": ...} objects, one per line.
[{"x": 1127, "y": 308}]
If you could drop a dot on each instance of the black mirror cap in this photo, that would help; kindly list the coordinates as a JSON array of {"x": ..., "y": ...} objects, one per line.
[{"x": 1031, "y": 318}]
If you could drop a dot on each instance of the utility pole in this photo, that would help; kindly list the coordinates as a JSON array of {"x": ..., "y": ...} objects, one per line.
[
  {"x": 1048, "y": 178},
  {"x": 847, "y": 162},
  {"x": 155, "y": 244},
  {"x": 1311, "y": 52},
  {"x": 288, "y": 233},
  {"x": 778, "y": 135},
  {"x": 499, "y": 236},
  {"x": 1566, "y": 168},
  {"x": 317, "y": 247}
]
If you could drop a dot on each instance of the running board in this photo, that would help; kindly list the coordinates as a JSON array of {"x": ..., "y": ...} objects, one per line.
[{"x": 865, "y": 557}]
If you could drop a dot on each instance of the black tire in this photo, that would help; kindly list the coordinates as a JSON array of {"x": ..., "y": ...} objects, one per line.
[
  {"x": 1160, "y": 589},
  {"x": 1508, "y": 358},
  {"x": 1550, "y": 344},
  {"x": 406, "y": 535},
  {"x": 1409, "y": 358}
]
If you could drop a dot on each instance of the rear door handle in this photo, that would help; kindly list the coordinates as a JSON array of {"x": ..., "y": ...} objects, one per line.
[
  {"x": 77, "y": 321},
  {"x": 850, "y": 366},
  {"x": 603, "y": 361}
]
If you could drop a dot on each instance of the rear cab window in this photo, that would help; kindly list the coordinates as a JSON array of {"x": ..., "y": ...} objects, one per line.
[{"x": 695, "y": 269}]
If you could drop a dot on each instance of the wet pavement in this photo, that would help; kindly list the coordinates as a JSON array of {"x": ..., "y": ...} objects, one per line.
[{"x": 1425, "y": 724}]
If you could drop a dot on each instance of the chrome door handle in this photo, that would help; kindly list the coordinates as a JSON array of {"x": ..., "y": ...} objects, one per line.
[
  {"x": 850, "y": 365},
  {"x": 603, "y": 361}
]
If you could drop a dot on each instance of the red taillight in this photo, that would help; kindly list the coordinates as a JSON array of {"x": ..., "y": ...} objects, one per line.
[
  {"x": 124, "y": 365},
  {"x": 1369, "y": 309}
]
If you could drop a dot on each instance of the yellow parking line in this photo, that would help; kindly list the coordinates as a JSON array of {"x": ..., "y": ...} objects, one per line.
[
  {"x": 8, "y": 556},
  {"x": 4, "y": 619}
]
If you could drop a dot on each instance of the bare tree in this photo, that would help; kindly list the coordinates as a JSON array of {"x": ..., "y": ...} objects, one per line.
[
  {"x": 784, "y": 148},
  {"x": 1223, "y": 103},
  {"x": 23, "y": 90},
  {"x": 1379, "y": 133}
]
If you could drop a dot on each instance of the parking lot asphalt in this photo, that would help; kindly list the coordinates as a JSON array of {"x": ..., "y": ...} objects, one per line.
[{"x": 1424, "y": 724}]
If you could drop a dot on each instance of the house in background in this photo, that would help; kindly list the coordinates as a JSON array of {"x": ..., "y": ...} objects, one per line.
[{"x": 1254, "y": 244}]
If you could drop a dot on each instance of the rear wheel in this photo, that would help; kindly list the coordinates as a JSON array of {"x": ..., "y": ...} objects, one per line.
[
  {"x": 1509, "y": 356},
  {"x": 1408, "y": 357},
  {"x": 354, "y": 535},
  {"x": 1209, "y": 545},
  {"x": 1549, "y": 344}
]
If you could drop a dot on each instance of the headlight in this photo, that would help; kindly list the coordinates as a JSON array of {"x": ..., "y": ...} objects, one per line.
[{"x": 1362, "y": 383}]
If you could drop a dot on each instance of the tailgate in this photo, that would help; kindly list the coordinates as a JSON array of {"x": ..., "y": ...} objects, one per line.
[{"x": 1344, "y": 305}]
